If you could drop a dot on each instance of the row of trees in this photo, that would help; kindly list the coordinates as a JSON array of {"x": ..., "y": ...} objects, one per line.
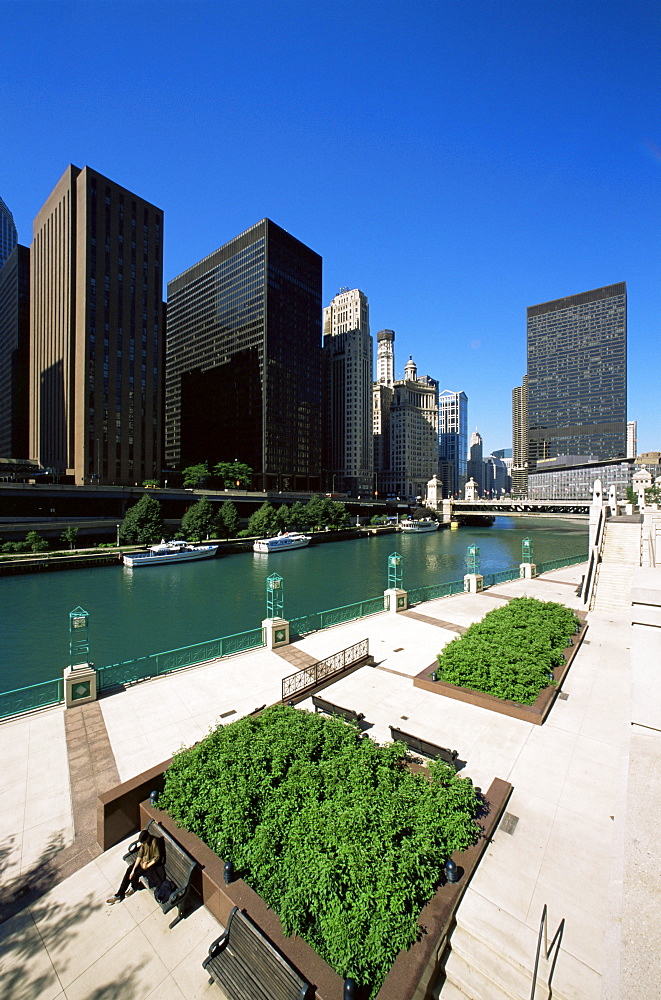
[
  {"x": 226, "y": 475},
  {"x": 318, "y": 512}
]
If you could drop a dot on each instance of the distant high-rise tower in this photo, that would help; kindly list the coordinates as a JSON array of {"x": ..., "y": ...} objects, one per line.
[
  {"x": 520, "y": 439},
  {"x": 475, "y": 469},
  {"x": 452, "y": 440},
  {"x": 96, "y": 326},
  {"x": 632, "y": 438},
  {"x": 577, "y": 375},
  {"x": 15, "y": 353},
  {"x": 8, "y": 234},
  {"x": 348, "y": 377},
  {"x": 243, "y": 367},
  {"x": 385, "y": 357}
]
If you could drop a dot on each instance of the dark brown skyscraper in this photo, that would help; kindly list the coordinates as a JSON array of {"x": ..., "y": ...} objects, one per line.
[
  {"x": 97, "y": 332},
  {"x": 243, "y": 369},
  {"x": 14, "y": 353}
]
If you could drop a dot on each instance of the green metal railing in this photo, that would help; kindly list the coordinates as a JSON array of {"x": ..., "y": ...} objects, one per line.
[
  {"x": 552, "y": 564},
  {"x": 27, "y": 699},
  {"x": 503, "y": 576},
  {"x": 336, "y": 616},
  {"x": 418, "y": 595},
  {"x": 157, "y": 664}
]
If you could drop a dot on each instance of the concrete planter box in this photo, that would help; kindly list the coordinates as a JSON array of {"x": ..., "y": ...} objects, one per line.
[
  {"x": 121, "y": 812},
  {"x": 535, "y": 713}
]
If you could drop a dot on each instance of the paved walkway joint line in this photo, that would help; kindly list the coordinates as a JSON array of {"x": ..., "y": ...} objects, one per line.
[{"x": 450, "y": 626}]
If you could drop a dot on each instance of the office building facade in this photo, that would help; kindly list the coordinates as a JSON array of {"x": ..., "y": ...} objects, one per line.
[
  {"x": 348, "y": 458},
  {"x": 475, "y": 464},
  {"x": 243, "y": 360},
  {"x": 577, "y": 375},
  {"x": 15, "y": 353},
  {"x": 452, "y": 441},
  {"x": 520, "y": 439},
  {"x": 96, "y": 331},
  {"x": 8, "y": 233}
]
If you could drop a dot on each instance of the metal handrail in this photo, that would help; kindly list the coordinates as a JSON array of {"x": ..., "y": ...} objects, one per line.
[
  {"x": 590, "y": 582},
  {"x": 543, "y": 929}
]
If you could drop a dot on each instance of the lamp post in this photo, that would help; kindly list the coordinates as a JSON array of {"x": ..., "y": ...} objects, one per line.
[{"x": 275, "y": 595}]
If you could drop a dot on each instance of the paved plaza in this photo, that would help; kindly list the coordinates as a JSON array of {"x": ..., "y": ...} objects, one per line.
[{"x": 564, "y": 847}]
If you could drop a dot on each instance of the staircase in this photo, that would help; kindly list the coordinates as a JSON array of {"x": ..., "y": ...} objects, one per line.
[
  {"x": 619, "y": 557},
  {"x": 492, "y": 957}
]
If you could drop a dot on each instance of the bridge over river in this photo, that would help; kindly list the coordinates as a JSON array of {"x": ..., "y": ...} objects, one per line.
[{"x": 454, "y": 509}]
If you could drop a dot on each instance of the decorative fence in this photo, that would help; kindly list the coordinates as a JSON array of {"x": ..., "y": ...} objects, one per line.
[
  {"x": 157, "y": 664},
  {"x": 491, "y": 579},
  {"x": 418, "y": 595},
  {"x": 310, "y": 677},
  {"x": 27, "y": 699},
  {"x": 552, "y": 564},
  {"x": 299, "y": 627}
]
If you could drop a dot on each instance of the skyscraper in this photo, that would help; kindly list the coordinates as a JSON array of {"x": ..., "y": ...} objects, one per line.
[
  {"x": 243, "y": 360},
  {"x": 96, "y": 327},
  {"x": 348, "y": 361},
  {"x": 632, "y": 438},
  {"x": 475, "y": 464},
  {"x": 14, "y": 353},
  {"x": 577, "y": 375},
  {"x": 452, "y": 440},
  {"x": 520, "y": 439},
  {"x": 8, "y": 234}
]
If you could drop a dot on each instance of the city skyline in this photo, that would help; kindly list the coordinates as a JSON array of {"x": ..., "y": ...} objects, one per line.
[{"x": 471, "y": 187}]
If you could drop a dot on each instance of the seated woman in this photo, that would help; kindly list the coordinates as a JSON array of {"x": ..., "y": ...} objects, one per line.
[{"x": 147, "y": 865}]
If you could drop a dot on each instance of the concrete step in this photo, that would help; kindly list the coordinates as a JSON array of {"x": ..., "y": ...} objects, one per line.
[
  {"x": 450, "y": 991},
  {"x": 480, "y": 971}
]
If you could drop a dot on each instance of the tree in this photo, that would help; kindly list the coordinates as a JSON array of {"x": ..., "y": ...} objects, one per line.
[
  {"x": 653, "y": 494},
  {"x": 36, "y": 542},
  {"x": 297, "y": 515},
  {"x": 283, "y": 517},
  {"x": 69, "y": 536},
  {"x": 233, "y": 474},
  {"x": 228, "y": 519},
  {"x": 196, "y": 475},
  {"x": 199, "y": 520},
  {"x": 632, "y": 496},
  {"x": 143, "y": 523},
  {"x": 263, "y": 521}
]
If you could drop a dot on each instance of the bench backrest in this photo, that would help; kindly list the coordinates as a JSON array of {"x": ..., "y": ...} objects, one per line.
[
  {"x": 178, "y": 863},
  {"x": 423, "y": 747},
  {"x": 264, "y": 961},
  {"x": 328, "y": 706}
]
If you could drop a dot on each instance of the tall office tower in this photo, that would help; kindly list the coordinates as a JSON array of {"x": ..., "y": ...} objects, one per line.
[
  {"x": 96, "y": 327},
  {"x": 520, "y": 439},
  {"x": 577, "y": 375},
  {"x": 475, "y": 464},
  {"x": 8, "y": 234},
  {"x": 385, "y": 357},
  {"x": 14, "y": 353},
  {"x": 452, "y": 441},
  {"x": 632, "y": 438},
  {"x": 243, "y": 360},
  {"x": 348, "y": 457},
  {"x": 412, "y": 419},
  {"x": 496, "y": 476}
]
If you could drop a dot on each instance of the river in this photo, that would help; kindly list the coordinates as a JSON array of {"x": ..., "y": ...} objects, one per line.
[{"x": 137, "y": 612}]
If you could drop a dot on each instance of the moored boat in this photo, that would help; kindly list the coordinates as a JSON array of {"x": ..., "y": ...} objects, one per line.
[
  {"x": 169, "y": 552},
  {"x": 282, "y": 542},
  {"x": 417, "y": 526}
]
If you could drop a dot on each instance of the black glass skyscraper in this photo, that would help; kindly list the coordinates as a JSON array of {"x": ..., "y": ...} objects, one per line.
[
  {"x": 577, "y": 375},
  {"x": 243, "y": 360},
  {"x": 8, "y": 234}
]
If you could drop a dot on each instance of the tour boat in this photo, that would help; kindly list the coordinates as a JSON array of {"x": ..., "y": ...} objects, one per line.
[
  {"x": 282, "y": 542},
  {"x": 414, "y": 527},
  {"x": 170, "y": 552}
]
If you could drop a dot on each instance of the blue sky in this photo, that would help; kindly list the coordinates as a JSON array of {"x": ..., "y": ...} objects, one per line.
[{"x": 457, "y": 161}]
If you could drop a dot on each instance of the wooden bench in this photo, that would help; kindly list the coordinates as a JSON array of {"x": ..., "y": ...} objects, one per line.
[
  {"x": 244, "y": 963},
  {"x": 424, "y": 747},
  {"x": 327, "y": 706},
  {"x": 178, "y": 867}
]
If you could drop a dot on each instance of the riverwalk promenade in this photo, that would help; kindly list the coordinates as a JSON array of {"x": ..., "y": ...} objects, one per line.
[{"x": 563, "y": 841}]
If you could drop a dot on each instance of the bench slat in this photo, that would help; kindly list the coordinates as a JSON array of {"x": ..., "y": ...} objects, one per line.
[{"x": 423, "y": 747}]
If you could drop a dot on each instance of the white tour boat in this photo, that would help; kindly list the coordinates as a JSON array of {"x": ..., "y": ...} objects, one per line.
[
  {"x": 170, "y": 552},
  {"x": 414, "y": 527},
  {"x": 282, "y": 542}
]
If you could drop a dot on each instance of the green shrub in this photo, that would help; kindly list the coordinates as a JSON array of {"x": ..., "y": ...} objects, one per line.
[
  {"x": 510, "y": 653},
  {"x": 339, "y": 839}
]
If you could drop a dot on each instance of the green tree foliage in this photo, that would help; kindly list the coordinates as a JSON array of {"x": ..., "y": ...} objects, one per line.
[
  {"x": 340, "y": 840},
  {"x": 69, "y": 536},
  {"x": 196, "y": 475},
  {"x": 143, "y": 523},
  {"x": 233, "y": 475},
  {"x": 35, "y": 542},
  {"x": 653, "y": 494},
  {"x": 199, "y": 521},
  {"x": 150, "y": 483},
  {"x": 322, "y": 512},
  {"x": 632, "y": 496},
  {"x": 263, "y": 521},
  {"x": 228, "y": 520},
  {"x": 297, "y": 515},
  {"x": 510, "y": 653}
]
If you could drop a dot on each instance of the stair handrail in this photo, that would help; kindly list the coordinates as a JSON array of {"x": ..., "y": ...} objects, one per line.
[
  {"x": 595, "y": 557},
  {"x": 557, "y": 937}
]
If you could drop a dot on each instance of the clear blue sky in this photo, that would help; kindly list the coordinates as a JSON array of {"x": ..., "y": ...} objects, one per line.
[{"x": 457, "y": 160}]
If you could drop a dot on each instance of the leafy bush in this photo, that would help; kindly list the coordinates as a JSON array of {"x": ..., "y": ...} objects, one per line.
[
  {"x": 339, "y": 839},
  {"x": 510, "y": 653}
]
